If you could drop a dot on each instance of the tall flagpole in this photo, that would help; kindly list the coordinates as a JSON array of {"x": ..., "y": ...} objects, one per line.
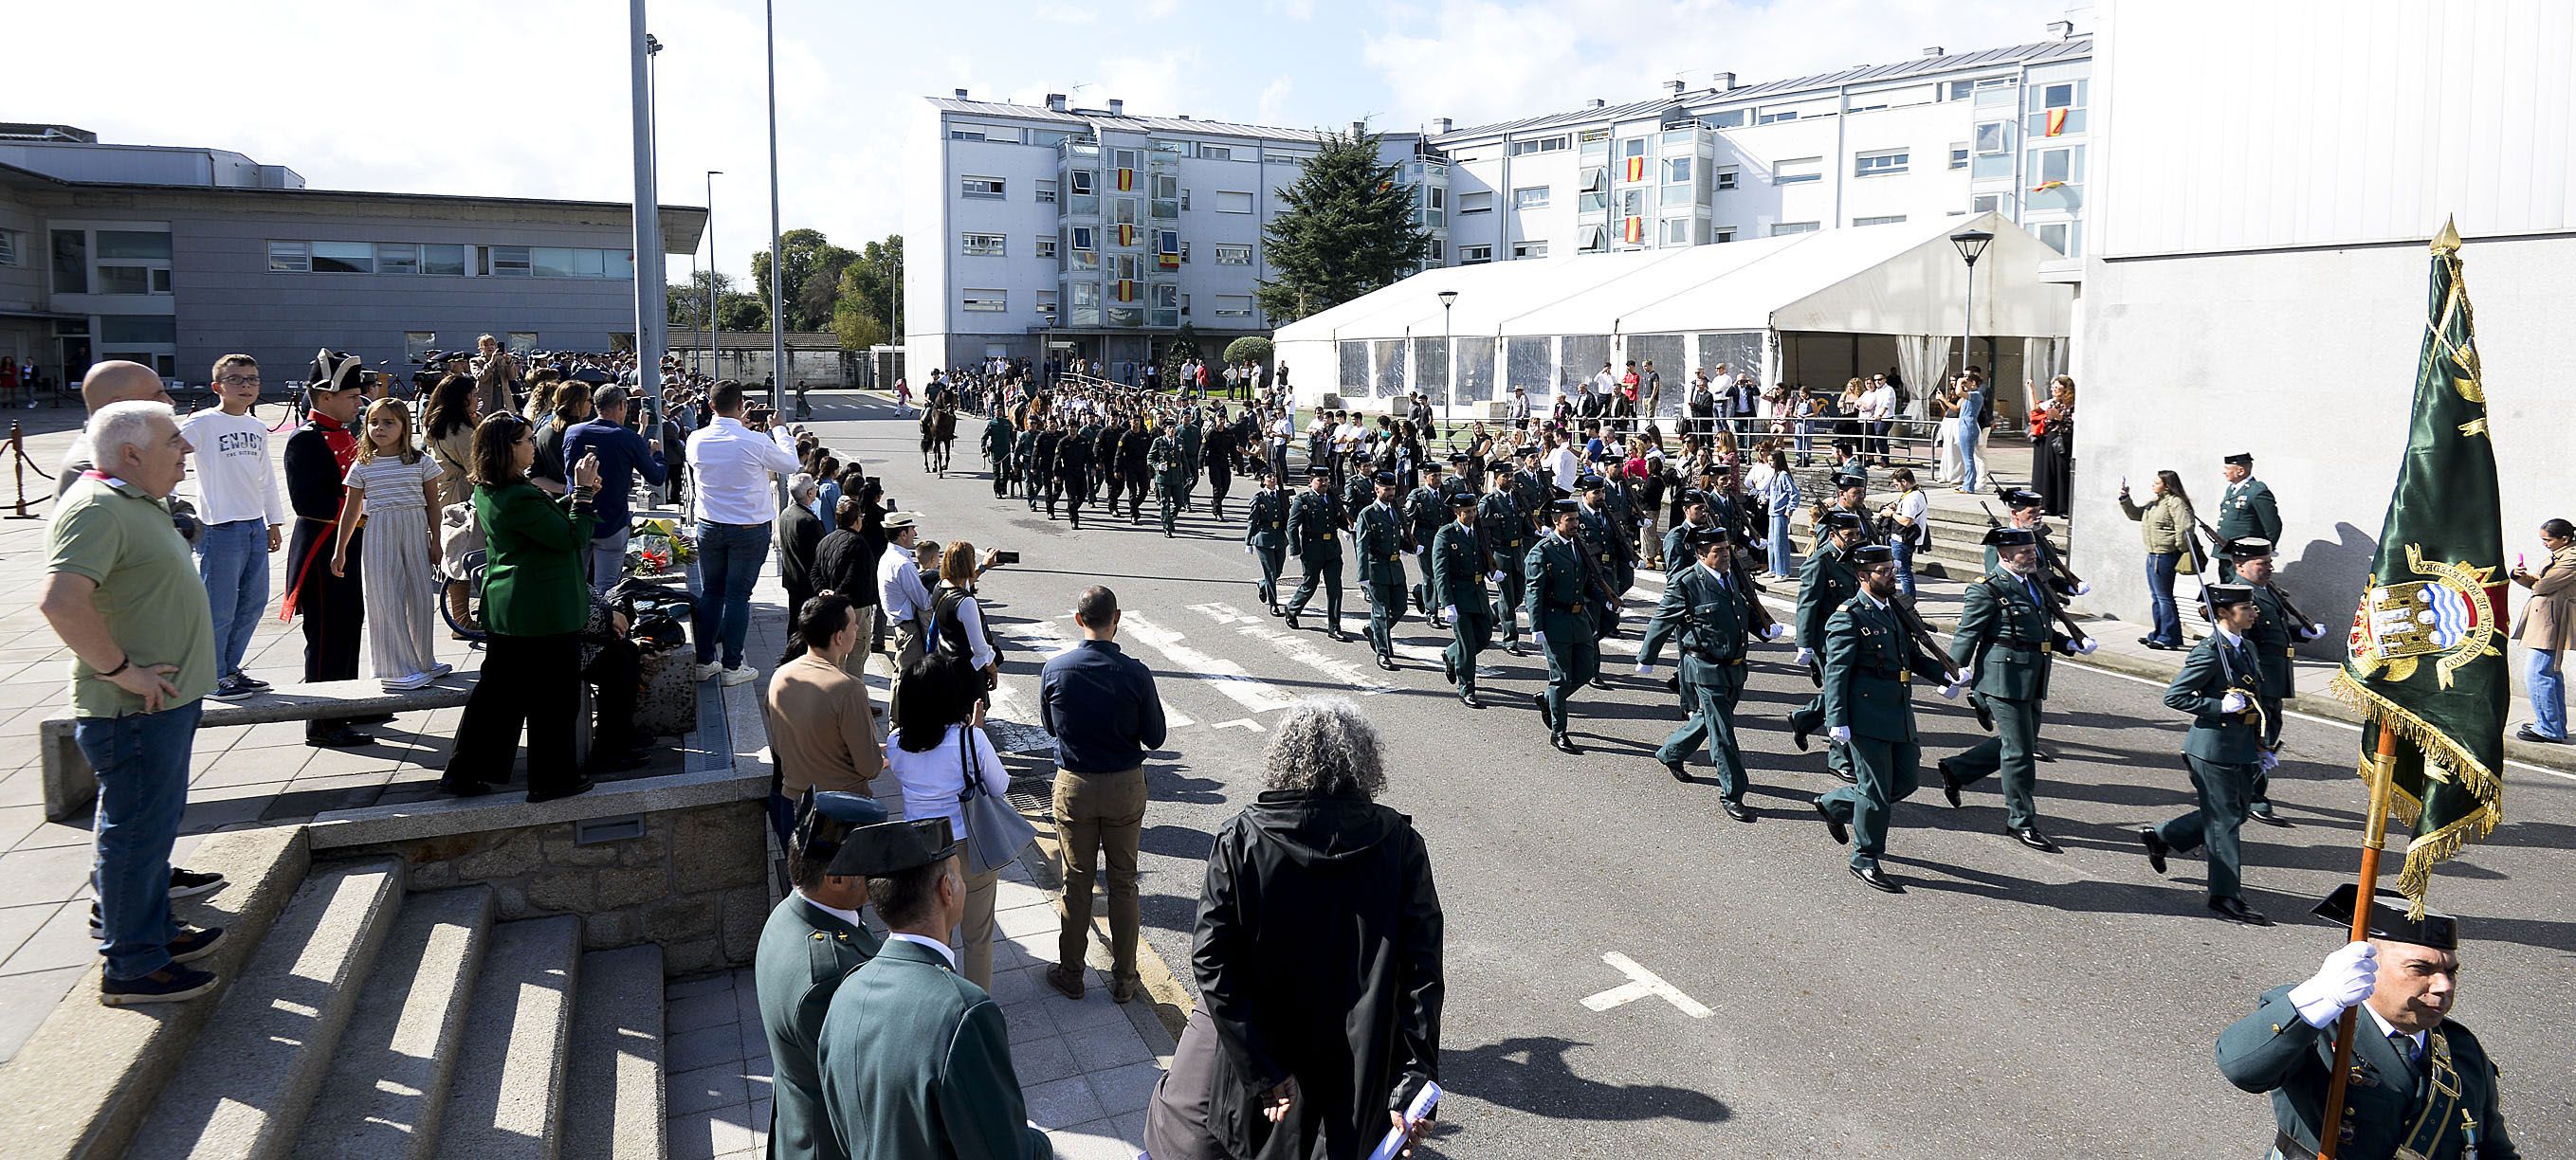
[
  {"x": 777, "y": 264},
  {"x": 651, "y": 298},
  {"x": 2383, "y": 779}
]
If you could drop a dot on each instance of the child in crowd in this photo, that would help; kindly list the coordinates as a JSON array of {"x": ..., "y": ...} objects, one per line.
[{"x": 394, "y": 488}]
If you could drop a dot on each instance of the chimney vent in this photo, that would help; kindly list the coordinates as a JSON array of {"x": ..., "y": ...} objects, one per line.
[
  {"x": 1444, "y": 124},
  {"x": 1722, "y": 82},
  {"x": 1055, "y": 101},
  {"x": 1359, "y": 128},
  {"x": 1596, "y": 103},
  {"x": 961, "y": 94},
  {"x": 1934, "y": 51},
  {"x": 1675, "y": 86},
  {"x": 1117, "y": 108},
  {"x": 2063, "y": 29}
]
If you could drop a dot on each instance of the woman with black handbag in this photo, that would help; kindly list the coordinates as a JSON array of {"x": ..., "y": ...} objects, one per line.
[
  {"x": 959, "y": 635},
  {"x": 947, "y": 767}
]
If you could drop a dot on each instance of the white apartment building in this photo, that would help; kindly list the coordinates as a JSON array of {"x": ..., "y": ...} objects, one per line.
[
  {"x": 1052, "y": 230},
  {"x": 1947, "y": 134}
]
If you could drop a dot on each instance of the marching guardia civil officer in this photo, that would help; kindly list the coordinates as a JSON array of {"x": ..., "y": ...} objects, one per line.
[
  {"x": 1678, "y": 556},
  {"x": 2004, "y": 643},
  {"x": 1563, "y": 587},
  {"x": 1378, "y": 534},
  {"x": 2245, "y": 509},
  {"x": 1597, "y": 529},
  {"x": 814, "y": 937},
  {"x": 1503, "y": 527},
  {"x": 1315, "y": 522},
  {"x": 1426, "y": 508},
  {"x": 2275, "y": 636},
  {"x": 2219, "y": 686},
  {"x": 2420, "y": 1085},
  {"x": 997, "y": 450},
  {"x": 1171, "y": 479},
  {"x": 1825, "y": 583},
  {"x": 1707, "y": 614},
  {"x": 1265, "y": 534},
  {"x": 1870, "y": 659},
  {"x": 1459, "y": 564},
  {"x": 915, "y": 1059}
]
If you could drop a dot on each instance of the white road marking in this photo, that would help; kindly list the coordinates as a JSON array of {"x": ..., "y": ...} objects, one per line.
[
  {"x": 1246, "y": 723},
  {"x": 1642, "y": 983},
  {"x": 1287, "y": 644},
  {"x": 1041, "y": 637},
  {"x": 1227, "y": 677}
]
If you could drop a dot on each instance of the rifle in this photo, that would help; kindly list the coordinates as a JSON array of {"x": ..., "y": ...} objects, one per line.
[
  {"x": 2288, "y": 607},
  {"x": 2052, "y": 594}
]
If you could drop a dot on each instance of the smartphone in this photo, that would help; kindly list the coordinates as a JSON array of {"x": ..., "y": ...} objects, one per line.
[{"x": 1002, "y": 557}]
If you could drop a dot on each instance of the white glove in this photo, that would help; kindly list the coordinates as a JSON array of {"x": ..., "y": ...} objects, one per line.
[
  {"x": 2085, "y": 647},
  {"x": 1496, "y": 575},
  {"x": 1449, "y": 612},
  {"x": 1247, "y": 549},
  {"x": 1539, "y": 636},
  {"x": 1806, "y": 656},
  {"x": 2081, "y": 588},
  {"x": 2315, "y": 631},
  {"x": 2346, "y": 978},
  {"x": 2234, "y": 702},
  {"x": 1773, "y": 631},
  {"x": 1645, "y": 668},
  {"x": 1950, "y": 692},
  {"x": 1413, "y": 551},
  {"x": 2271, "y": 761},
  {"x": 1839, "y": 734},
  {"x": 1761, "y": 545}
]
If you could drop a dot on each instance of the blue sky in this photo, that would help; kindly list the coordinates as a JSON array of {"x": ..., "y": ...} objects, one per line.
[{"x": 528, "y": 97}]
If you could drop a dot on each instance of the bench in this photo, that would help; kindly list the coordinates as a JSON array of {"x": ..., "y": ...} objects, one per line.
[{"x": 70, "y": 784}]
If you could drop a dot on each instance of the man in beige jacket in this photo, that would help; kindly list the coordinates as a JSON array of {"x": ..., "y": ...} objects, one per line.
[{"x": 2548, "y": 628}]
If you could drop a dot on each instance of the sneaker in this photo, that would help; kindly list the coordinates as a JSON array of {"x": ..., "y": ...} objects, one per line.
[
  {"x": 440, "y": 669},
  {"x": 406, "y": 682},
  {"x": 232, "y": 689},
  {"x": 253, "y": 682},
  {"x": 186, "y": 883},
  {"x": 740, "y": 675},
  {"x": 170, "y": 984},
  {"x": 708, "y": 670},
  {"x": 193, "y": 943}
]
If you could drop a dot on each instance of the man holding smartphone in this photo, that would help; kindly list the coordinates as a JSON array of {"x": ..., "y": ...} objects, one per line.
[{"x": 730, "y": 465}]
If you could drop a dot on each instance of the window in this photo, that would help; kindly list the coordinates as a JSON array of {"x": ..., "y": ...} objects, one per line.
[
  {"x": 1439, "y": 252},
  {"x": 1596, "y": 179},
  {"x": 1046, "y": 192},
  {"x": 563, "y": 262},
  {"x": 397, "y": 258},
  {"x": 435, "y": 258},
  {"x": 1879, "y": 162},
  {"x": 2062, "y": 237},
  {"x": 1958, "y": 155},
  {"x": 1722, "y": 234},
  {"x": 1592, "y": 239},
  {"x": 1216, "y": 153},
  {"x": 1674, "y": 232},
  {"x": 138, "y": 330},
  {"x": 1123, "y": 158},
  {"x": 1081, "y": 181},
  {"x": 360, "y": 258},
  {"x": 1122, "y": 211},
  {"x": 1046, "y": 305},
  {"x": 1168, "y": 242},
  {"x": 984, "y": 245},
  {"x": 1772, "y": 116},
  {"x": 1986, "y": 203},
  {"x": 1185, "y": 199},
  {"x": 1886, "y": 220},
  {"x": 288, "y": 258},
  {"x": 2058, "y": 109},
  {"x": 1556, "y": 144},
  {"x": 1729, "y": 119},
  {"x": 987, "y": 301},
  {"x": 1477, "y": 202},
  {"x": 133, "y": 262},
  {"x": 1231, "y": 201},
  {"x": 1726, "y": 176},
  {"x": 418, "y": 343},
  {"x": 1632, "y": 203},
  {"x": 498, "y": 261},
  {"x": 2057, "y": 165},
  {"x": 965, "y": 134},
  {"x": 1529, "y": 250},
  {"x": 71, "y": 261},
  {"x": 138, "y": 245},
  {"x": 1234, "y": 255},
  {"x": 1992, "y": 137},
  {"x": 12, "y": 244},
  {"x": 1234, "y": 306},
  {"x": 1046, "y": 248},
  {"x": 1796, "y": 170},
  {"x": 1677, "y": 170},
  {"x": 1530, "y": 197},
  {"x": 1779, "y": 228},
  {"x": 987, "y": 188},
  {"x": 1475, "y": 255},
  {"x": 1086, "y": 238},
  {"x": 1167, "y": 185}
]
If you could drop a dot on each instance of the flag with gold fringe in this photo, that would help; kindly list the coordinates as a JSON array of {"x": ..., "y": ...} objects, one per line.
[{"x": 2426, "y": 650}]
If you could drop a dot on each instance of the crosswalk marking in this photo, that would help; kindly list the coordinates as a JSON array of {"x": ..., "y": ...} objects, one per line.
[
  {"x": 1288, "y": 645},
  {"x": 1041, "y": 637},
  {"x": 1227, "y": 677}
]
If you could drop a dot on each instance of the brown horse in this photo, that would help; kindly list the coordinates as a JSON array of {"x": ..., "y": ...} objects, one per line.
[{"x": 938, "y": 430}]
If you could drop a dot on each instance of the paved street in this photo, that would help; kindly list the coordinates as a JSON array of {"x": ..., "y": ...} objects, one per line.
[{"x": 2011, "y": 1003}]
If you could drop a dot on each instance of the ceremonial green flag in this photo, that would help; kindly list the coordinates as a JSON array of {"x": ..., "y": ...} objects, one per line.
[{"x": 2426, "y": 650}]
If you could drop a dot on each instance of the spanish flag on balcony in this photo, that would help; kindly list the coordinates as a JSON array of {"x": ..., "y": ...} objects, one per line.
[
  {"x": 1169, "y": 260},
  {"x": 1126, "y": 234},
  {"x": 1636, "y": 230},
  {"x": 1636, "y": 169},
  {"x": 2045, "y": 186},
  {"x": 1126, "y": 290},
  {"x": 1126, "y": 180},
  {"x": 2056, "y": 122}
]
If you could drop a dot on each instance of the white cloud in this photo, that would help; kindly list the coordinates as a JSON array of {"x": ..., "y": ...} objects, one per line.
[
  {"x": 1273, "y": 106},
  {"x": 1065, "y": 14}
]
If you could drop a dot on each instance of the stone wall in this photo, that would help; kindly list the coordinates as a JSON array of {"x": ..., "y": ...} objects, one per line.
[{"x": 695, "y": 882}]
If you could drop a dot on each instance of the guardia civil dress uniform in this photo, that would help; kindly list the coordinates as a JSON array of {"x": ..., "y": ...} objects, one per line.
[
  {"x": 1870, "y": 660},
  {"x": 1188, "y": 439},
  {"x": 805, "y": 950},
  {"x": 2005, "y": 637},
  {"x": 1458, "y": 567},
  {"x": 1706, "y": 615},
  {"x": 1503, "y": 527},
  {"x": 1024, "y": 459},
  {"x": 1315, "y": 522},
  {"x": 1265, "y": 531},
  {"x": 2433, "y": 1095},
  {"x": 1825, "y": 583},
  {"x": 1379, "y": 537},
  {"x": 2224, "y": 751},
  {"x": 1563, "y": 589},
  {"x": 997, "y": 452},
  {"x": 2275, "y": 638},
  {"x": 1599, "y": 535},
  {"x": 1171, "y": 480},
  {"x": 1426, "y": 508},
  {"x": 2246, "y": 509}
]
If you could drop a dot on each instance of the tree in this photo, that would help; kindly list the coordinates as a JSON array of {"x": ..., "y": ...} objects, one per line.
[
  {"x": 1185, "y": 346},
  {"x": 813, "y": 268},
  {"x": 741, "y": 312},
  {"x": 871, "y": 288},
  {"x": 1347, "y": 229},
  {"x": 1251, "y": 348},
  {"x": 687, "y": 305}
]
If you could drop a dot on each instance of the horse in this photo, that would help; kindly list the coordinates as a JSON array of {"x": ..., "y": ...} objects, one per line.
[{"x": 938, "y": 430}]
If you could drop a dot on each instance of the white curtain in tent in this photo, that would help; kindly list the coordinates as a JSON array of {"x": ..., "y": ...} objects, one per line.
[
  {"x": 1924, "y": 359},
  {"x": 2043, "y": 358}
]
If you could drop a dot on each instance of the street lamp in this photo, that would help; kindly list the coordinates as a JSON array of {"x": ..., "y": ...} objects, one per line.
[
  {"x": 777, "y": 259},
  {"x": 652, "y": 294},
  {"x": 1449, "y": 391},
  {"x": 708, "y": 323},
  {"x": 1972, "y": 246}
]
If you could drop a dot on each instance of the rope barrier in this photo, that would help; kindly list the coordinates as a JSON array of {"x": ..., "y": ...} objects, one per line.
[{"x": 19, "y": 463}]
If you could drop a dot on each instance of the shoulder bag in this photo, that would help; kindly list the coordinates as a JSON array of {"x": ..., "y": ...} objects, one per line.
[{"x": 995, "y": 831}]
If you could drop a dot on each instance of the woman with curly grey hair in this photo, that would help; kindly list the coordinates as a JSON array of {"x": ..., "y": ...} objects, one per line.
[{"x": 1318, "y": 962}]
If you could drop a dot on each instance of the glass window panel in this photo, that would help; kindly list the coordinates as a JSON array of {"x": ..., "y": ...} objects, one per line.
[
  {"x": 619, "y": 265},
  {"x": 397, "y": 258},
  {"x": 1740, "y": 351},
  {"x": 1389, "y": 362},
  {"x": 71, "y": 261},
  {"x": 123, "y": 280},
  {"x": 551, "y": 261},
  {"x": 1431, "y": 369},
  {"x": 1475, "y": 368},
  {"x": 139, "y": 330},
  {"x": 1992, "y": 136},
  {"x": 1991, "y": 165},
  {"x": 506, "y": 261},
  {"x": 1579, "y": 356},
  {"x": 1082, "y": 180},
  {"x": 437, "y": 258},
  {"x": 287, "y": 258},
  {"x": 1528, "y": 364},
  {"x": 344, "y": 257},
  {"x": 1666, "y": 351},
  {"x": 1532, "y": 197},
  {"x": 145, "y": 245},
  {"x": 1352, "y": 357}
]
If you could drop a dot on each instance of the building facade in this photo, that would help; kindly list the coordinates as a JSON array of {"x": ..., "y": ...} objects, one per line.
[
  {"x": 1058, "y": 231},
  {"x": 173, "y": 257}
]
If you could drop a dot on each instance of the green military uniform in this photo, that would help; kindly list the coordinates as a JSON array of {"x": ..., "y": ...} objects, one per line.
[
  {"x": 1599, "y": 535},
  {"x": 804, "y": 952},
  {"x": 1426, "y": 508},
  {"x": 2224, "y": 751},
  {"x": 1380, "y": 541},
  {"x": 1705, "y": 613},
  {"x": 1825, "y": 583},
  {"x": 997, "y": 450},
  {"x": 916, "y": 1062},
  {"x": 2005, "y": 638},
  {"x": 2274, "y": 637},
  {"x": 1870, "y": 660},
  {"x": 1315, "y": 520},
  {"x": 1171, "y": 479},
  {"x": 1361, "y": 491},
  {"x": 1503, "y": 528},
  {"x": 1024, "y": 460},
  {"x": 2047, "y": 550},
  {"x": 2246, "y": 509},
  {"x": 1265, "y": 531},
  {"x": 1622, "y": 533},
  {"x": 1562, "y": 593},
  {"x": 1458, "y": 583}
]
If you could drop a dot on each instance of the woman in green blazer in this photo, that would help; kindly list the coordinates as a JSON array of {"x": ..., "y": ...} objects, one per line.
[{"x": 535, "y": 600}]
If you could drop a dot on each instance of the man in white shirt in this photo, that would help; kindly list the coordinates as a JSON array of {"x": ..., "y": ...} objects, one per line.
[
  {"x": 730, "y": 464},
  {"x": 1905, "y": 534},
  {"x": 1880, "y": 405},
  {"x": 238, "y": 501},
  {"x": 900, "y": 591},
  {"x": 1563, "y": 465}
]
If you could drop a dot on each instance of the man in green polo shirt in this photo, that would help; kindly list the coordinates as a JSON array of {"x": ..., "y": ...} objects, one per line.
[{"x": 122, "y": 592}]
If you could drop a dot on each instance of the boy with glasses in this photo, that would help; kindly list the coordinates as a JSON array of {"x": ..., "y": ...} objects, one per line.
[{"x": 238, "y": 501}]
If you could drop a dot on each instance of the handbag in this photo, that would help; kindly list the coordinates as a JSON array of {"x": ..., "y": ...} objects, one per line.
[{"x": 995, "y": 831}]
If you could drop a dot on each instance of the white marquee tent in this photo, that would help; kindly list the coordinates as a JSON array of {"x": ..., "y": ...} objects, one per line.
[{"x": 1790, "y": 308}]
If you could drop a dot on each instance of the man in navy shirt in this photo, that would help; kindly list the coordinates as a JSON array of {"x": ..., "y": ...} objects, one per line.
[
  {"x": 1100, "y": 705},
  {"x": 622, "y": 453}
]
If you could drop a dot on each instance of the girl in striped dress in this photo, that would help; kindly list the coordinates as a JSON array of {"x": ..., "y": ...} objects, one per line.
[{"x": 394, "y": 488}]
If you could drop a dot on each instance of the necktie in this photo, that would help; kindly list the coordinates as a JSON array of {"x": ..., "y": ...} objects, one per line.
[{"x": 2404, "y": 1045}]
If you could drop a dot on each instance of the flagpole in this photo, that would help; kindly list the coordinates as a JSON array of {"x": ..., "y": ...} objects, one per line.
[{"x": 2383, "y": 778}]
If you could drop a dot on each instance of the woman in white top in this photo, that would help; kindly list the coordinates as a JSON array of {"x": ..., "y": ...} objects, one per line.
[
  {"x": 956, "y": 633},
  {"x": 938, "y": 738}
]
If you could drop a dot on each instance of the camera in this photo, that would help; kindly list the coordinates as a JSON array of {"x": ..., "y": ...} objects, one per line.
[{"x": 1001, "y": 557}]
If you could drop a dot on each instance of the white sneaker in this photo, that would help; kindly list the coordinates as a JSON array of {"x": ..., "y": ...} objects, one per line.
[
  {"x": 440, "y": 669},
  {"x": 409, "y": 681},
  {"x": 739, "y": 675},
  {"x": 708, "y": 671}
]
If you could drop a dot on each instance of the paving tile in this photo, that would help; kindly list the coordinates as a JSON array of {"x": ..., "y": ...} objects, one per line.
[
  {"x": 1092, "y": 1141},
  {"x": 62, "y": 940},
  {"x": 1125, "y": 1089},
  {"x": 708, "y": 1134},
  {"x": 1108, "y": 1046},
  {"x": 17, "y": 923},
  {"x": 674, "y": 992},
  {"x": 49, "y": 835},
  {"x": 696, "y": 1011},
  {"x": 1095, "y": 1009},
  {"x": 1027, "y": 921},
  {"x": 1061, "y": 1103},
  {"x": 45, "y": 875},
  {"x": 1043, "y": 1060},
  {"x": 705, "y": 1088},
  {"x": 1011, "y": 987},
  {"x": 25, "y": 1001},
  {"x": 17, "y": 822},
  {"x": 704, "y": 1047},
  {"x": 23, "y": 788}
]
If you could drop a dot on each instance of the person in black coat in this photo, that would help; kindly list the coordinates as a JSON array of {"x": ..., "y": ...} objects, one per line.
[
  {"x": 798, "y": 535},
  {"x": 1318, "y": 961},
  {"x": 845, "y": 564},
  {"x": 334, "y": 608}
]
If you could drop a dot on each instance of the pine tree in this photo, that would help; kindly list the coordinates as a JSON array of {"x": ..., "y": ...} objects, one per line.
[
  {"x": 1347, "y": 230},
  {"x": 1185, "y": 346}
]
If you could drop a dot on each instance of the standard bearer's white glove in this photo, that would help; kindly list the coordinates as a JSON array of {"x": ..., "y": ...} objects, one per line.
[
  {"x": 1539, "y": 637},
  {"x": 2346, "y": 978},
  {"x": 1413, "y": 551},
  {"x": 2234, "y": 702},
  {"x": 1449, "y": 612},
  {"x": 1496, "y": 575},
  {"x": 2081, "y": 588},
  {"x": 1247, "y": 549},
  {"x": 1774, "y": 631},
  {"x": 1839, "y": 734},
  {"x": 1645, "y": 668},
  {"x": 2315, "y": 631},
  {"x": 1806, "y": 656},
  {"x": 2271, "y": 761},
  {"x": 2085, "y": 647},
  {"x": 1761, "y": 545},
  {"x": 1950, "y": 692}
]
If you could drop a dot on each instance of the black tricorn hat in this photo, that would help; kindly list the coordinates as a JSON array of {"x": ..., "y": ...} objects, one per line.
[
  {"x": 1873, "y": 554},
  {"x": 335, "y": 371},
  {"x": 1698, "y": 538},
  {"x": 2244, "y": 548},
  {"x": 892, "y": 848},
  {"x": 824, "y": 819},
  {"x": 2011, "y": 537},
  {"x": 2389, "y": 918},
  {"x": 1835, "y": 519}
]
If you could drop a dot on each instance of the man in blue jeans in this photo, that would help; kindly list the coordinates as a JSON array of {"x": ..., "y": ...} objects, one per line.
[
  {"x": 1972, "y": 424},
  {"x": 124, "y": 596},
  {"x": 622, "y": 455},
  {"x": 243, "y": 514},
  {"x": 731, "y": 461}
]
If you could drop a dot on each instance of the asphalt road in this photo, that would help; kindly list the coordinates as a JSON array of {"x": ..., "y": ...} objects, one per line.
[{"x": 2011, "y": 1003}]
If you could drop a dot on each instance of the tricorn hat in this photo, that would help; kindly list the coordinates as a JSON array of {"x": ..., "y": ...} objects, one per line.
[
  {"x": 824, "y": 819},
  {"x": 1836, "y": 519},
  {"x": 2244, "y": 548},
  {"x": 2227, "y": 595},
  {"x": 2011, "y": 537},
  {"x": 2240, "y": 459},
  {"x": 2389, "y": 918},
  {"x": 892, "y": 848},
  {"x": 335, "y": 371},
  {"x": 1868, "y": 554},
  {"x": 2021, "y": 497}
]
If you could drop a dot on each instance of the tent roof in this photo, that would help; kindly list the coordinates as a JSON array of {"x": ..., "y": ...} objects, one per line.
[{"x": 1904, "y": 278}]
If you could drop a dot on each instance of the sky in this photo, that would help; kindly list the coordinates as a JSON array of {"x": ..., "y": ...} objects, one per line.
[{"x": 529, "y": 98}]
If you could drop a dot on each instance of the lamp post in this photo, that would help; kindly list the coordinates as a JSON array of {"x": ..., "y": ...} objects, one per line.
[
  {"x": 777, "y": 264},
  {"x": 1972, "y": 245},
  {"x": 1449, "y": 381},
  {"x": 652, "y": 295},
  {"x": 708, "y": 323}
]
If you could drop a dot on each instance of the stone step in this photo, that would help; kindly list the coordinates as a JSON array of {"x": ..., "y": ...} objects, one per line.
[
  {"x": 388, "y": 1083},
  {"x": 244, "y": 1088},
  {"x": 613, "y": 1109},
  {"x": 506, "y": 1102}
]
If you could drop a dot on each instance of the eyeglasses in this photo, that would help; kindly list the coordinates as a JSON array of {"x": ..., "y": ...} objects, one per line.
[{"x": 239, "y": 380}]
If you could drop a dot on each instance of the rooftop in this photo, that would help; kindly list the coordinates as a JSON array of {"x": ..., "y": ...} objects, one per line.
[{"x": 1097, "y": 117}]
